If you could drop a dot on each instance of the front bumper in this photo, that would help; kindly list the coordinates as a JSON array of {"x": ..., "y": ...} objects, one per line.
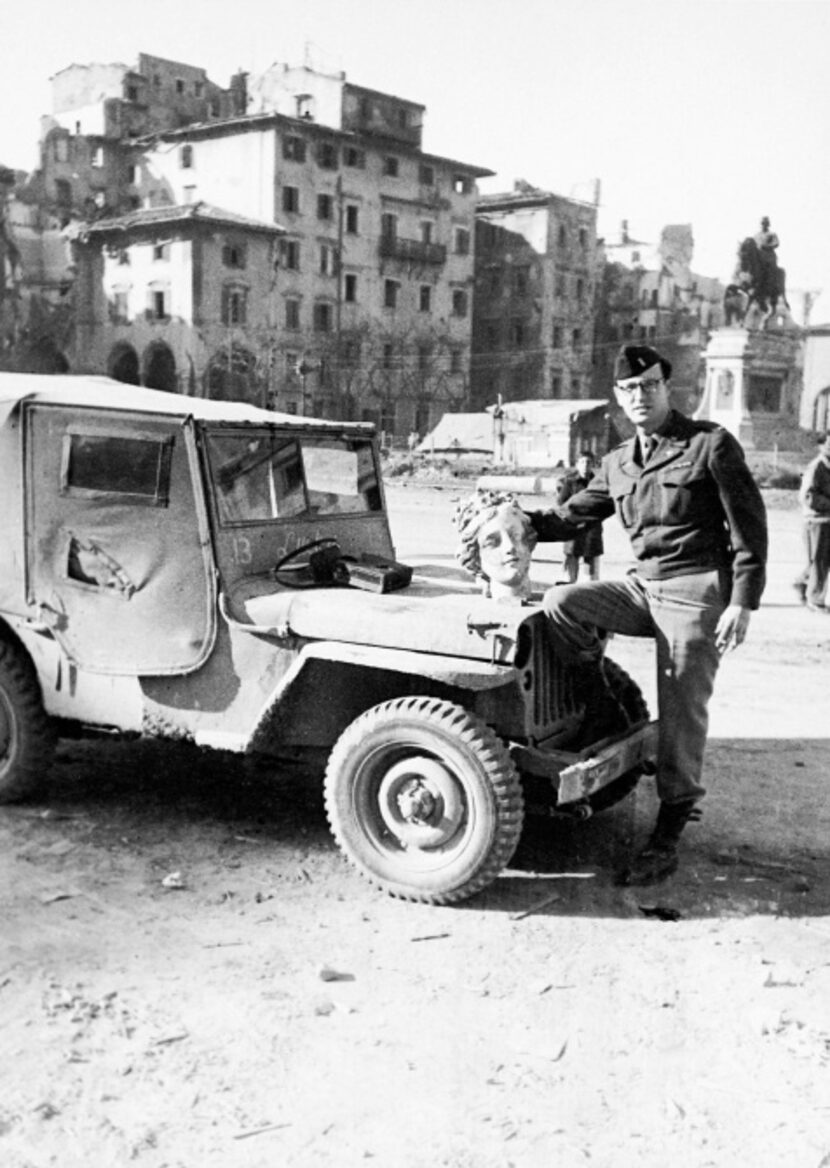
[{"x": 575, "y": 775}]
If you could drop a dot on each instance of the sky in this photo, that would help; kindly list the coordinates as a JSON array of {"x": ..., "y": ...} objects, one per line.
[{"x": 709, "y": 112}]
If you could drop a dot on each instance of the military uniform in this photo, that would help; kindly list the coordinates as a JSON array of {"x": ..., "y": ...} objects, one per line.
[
  {"x": 697, "y": 526},
  {"x": 587, "y": 544}
]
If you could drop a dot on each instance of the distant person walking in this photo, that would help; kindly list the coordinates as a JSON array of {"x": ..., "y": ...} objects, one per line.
[
  {"x": 814, "y": 497},
  {"x": 587, "y": 545}
]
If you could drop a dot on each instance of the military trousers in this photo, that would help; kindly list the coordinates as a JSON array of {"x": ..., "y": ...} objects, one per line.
[
  {"x": 817, "y": 550},
  {"x": 681, "y": 614}
]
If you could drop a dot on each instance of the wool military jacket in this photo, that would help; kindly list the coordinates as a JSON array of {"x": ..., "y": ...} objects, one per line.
[{"x": 691, "y": 508}]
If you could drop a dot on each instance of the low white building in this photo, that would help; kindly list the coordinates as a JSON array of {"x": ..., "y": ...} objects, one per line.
[{"x": 536, "y": 433}]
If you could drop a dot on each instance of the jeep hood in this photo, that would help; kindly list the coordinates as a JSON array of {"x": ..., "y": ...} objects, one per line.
[{"x": 436, "y": 613}]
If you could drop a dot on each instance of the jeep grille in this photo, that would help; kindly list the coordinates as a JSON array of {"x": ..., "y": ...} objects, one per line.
[{"x": 547, "y": 685}]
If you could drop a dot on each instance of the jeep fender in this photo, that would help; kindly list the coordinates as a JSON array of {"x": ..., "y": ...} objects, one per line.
[{"x": 332, "y": 683}]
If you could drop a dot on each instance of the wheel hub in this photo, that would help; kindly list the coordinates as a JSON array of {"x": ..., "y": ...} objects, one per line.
[
  {"x": 421, "y": 802},
  {"x": 416, "y": 803}
]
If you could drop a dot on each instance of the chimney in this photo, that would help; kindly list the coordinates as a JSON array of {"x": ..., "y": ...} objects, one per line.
[{"x": 239, "y": 92}]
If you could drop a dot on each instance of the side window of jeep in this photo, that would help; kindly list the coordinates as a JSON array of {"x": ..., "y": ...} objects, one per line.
[{"x": 133, "y": 470}]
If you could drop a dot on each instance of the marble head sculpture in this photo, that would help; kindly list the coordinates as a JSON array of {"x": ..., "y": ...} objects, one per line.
[{"x": 497, "y": 542}]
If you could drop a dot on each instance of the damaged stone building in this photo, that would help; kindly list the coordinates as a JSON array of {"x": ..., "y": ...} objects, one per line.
[
  {"x": 169, "y": 297},
  {"x": 375, "y": 278},
  {"x": 287, "y": 237},
  {"x": 534, "y": 296},
  {"x": 649, "y": 294},
  {"x": 88, "y": 165},
  {"x": 89, "y": 160}
]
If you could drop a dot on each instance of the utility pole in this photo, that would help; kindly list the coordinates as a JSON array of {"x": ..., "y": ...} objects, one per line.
[
  {"x": 498, "y": 430},
  {"x": 338, "y": 304},
  {"x": 303, "y": 368},
  {"x": 6, "y": 249}
]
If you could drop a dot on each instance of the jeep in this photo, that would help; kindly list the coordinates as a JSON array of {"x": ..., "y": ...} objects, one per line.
[{"x": 192, "y": 569}]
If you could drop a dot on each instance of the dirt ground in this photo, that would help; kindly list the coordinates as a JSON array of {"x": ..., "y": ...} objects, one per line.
[{"x": 192, "y": 977}]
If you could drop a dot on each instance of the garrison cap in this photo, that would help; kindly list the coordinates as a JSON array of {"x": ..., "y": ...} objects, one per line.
[{"x": 632, "y": 360}]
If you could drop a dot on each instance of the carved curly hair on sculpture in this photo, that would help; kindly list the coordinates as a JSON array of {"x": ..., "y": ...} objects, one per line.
[{"x": 471, "y": 516}]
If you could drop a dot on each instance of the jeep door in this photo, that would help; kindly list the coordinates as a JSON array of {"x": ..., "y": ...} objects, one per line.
[{"x": 118, "y": 556}]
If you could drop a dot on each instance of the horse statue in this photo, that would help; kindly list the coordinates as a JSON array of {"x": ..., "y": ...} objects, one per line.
[
  {"x": 758, "y": 275},
  {"x": 735, "y": 302}
]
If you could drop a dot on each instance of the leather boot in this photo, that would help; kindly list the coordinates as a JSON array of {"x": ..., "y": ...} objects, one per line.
[{"x": 659, "y": 857}]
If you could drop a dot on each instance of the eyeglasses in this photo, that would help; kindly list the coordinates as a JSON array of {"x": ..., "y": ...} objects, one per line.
[{"x": 651, "y": 385}]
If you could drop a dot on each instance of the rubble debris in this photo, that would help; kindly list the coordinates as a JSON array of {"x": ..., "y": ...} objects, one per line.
[
  {"x": 52, "y": 897},
  {"x": 258, "y": 1131},
  {"x": 540, "y": 904},
  {"x": 171, "y": 1038},
  {"x": 660, "y": 912}
]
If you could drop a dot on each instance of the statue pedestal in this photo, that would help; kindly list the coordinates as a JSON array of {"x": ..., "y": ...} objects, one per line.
[
  {"x": 724, "y": 395},
  {"x": 753, "y": 380}
]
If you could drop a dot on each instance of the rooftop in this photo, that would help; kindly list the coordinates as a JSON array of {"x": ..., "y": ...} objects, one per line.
[
  {"x": 246, "y": 123},
  {"x": 533, "y": 197},
  {"x": 170, "y": 216}
]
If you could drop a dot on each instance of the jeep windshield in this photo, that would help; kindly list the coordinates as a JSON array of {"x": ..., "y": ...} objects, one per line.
[{"x": 260, "y": 475}]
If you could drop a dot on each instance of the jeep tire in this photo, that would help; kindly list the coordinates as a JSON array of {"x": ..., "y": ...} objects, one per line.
[
  {"x": 424, "y": 799},
  {"x": 27, "y": 740}
]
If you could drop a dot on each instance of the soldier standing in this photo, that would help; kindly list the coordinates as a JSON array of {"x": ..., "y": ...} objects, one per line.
[{"x": 697, "y": 525}]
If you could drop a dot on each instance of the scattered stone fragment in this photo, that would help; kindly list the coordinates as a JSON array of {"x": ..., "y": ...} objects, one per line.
[
  {"x": 52, "y": 897},
  {"x": 326, "y": 973},
  {"x": 258, "y": 1131},
  {"x": 174, "y": 881},
  {"x": 171, "y": 1038}
]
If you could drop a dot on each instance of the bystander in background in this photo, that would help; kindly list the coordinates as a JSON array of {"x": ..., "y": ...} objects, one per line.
[
  {"x": 586, "y": 547},
  {"x": 814, "y": 497}
]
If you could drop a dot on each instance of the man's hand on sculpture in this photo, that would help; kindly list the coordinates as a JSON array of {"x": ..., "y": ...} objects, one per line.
[{"x": 731, "y": 628}]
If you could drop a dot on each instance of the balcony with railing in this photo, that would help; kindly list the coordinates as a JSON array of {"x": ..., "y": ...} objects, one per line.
[{"x": 412, "y": 250}]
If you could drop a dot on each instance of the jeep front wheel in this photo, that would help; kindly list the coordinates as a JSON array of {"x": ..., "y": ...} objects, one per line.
[
  {"x": 424, "y": 799},
  {"x": 26, "y": 738}
]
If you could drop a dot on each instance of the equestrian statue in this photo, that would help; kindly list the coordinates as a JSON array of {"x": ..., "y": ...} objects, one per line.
[{"x": 758, "y": 283}]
